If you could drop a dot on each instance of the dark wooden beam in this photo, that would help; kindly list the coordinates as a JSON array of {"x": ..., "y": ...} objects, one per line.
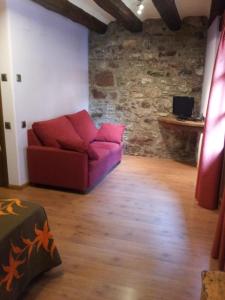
[
  {"x": 169, "y": 13},
  {"x": 122, "y": 13},
  {"x": 217, "y": 9},
  {"x": 74, "y": 13}
]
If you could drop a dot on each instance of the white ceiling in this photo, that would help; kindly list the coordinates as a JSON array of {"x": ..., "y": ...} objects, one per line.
[{"x": 186, "y": 8}]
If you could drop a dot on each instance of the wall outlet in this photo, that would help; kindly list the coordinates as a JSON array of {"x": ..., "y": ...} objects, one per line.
[{"x": 23, "y": 124}]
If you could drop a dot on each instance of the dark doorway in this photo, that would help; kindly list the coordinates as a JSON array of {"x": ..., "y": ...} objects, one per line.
[{"x": 3, "y": 161}]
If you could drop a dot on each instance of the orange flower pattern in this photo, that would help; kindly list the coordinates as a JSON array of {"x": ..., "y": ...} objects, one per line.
[
  {"x": 11, "y": 271},
  {"x": 7, "y": 207},
  {"x": 19, "y": 256},
  {"x": 43, "y": 237}
]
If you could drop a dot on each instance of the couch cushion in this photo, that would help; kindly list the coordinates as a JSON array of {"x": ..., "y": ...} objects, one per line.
[
  {"x": 49, "y": 132},
  {"x": 75, "y": 144},
  {"x": 92, "y": 153},
  {"x": 79, "y": 146},
  {"x": 101, "y": 151},
  {"x": 110, "y": 133},
  {"x": 84, "y": 125},
  {"x": 105, "y": 150},
  {"x": 111, "y": 147}
]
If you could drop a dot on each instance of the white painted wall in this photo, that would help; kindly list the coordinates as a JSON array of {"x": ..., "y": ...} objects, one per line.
[
  {"x": 211, "y": 51},
  {"x": 51, "y": 54}
]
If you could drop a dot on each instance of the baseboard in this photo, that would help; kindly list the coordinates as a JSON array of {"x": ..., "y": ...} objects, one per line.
[{"x": 18, "y": 187}]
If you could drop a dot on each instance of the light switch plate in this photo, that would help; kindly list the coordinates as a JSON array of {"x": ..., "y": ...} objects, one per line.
[
  {"x": 4, "y": 77},
  {"x": 18, "y": 77},
  {"x": 7, "y": 125}
]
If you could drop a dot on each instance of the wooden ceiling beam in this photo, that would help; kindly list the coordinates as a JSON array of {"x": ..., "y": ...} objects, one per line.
[
  {"x": 169, "y": 13},
  {"x": 74, "y": 13},
  {"x": 217, "y": 9},
  {"x": 121, "y": 13}
]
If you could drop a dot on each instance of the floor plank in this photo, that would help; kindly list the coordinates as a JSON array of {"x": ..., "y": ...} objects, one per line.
[{"x": 139, "y": 235}]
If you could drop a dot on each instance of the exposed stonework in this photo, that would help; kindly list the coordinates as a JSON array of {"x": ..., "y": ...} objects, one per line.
[
  {"x": 98, "y": 94},
  {"x": 104, "y": 78},
  {"x": 134, "y": 76}
]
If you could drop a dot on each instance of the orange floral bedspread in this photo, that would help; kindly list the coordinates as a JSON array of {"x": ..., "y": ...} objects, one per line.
[{"x": 27, "y": 247}]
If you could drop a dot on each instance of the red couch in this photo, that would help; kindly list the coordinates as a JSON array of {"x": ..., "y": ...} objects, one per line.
[{"x": 64, "y": 152}]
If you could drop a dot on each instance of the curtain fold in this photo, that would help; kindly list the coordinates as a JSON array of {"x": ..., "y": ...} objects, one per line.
[
  {"x": 211, "y": 156},
  {"x": 218, "y": 249}
]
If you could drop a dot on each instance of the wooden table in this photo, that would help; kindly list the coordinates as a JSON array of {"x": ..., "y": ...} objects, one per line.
[
  {"x": 196, "y": 127},
  {"x": 171, "y": 122}
]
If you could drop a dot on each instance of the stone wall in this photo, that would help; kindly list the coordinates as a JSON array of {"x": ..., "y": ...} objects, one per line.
[{"x": 134, "y": 76}]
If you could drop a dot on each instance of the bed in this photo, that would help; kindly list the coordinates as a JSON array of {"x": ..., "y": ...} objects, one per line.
[{"x": 27, "y": 247}]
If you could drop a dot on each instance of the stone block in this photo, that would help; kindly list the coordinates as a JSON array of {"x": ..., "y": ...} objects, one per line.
[
  {"x": 129, "y": 44},
  {"x": 104, "y": 79},
  {"x": 98, "y": 94}
]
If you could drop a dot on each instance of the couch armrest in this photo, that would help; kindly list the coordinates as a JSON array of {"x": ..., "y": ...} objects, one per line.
[{"x": 57, "y": 167}]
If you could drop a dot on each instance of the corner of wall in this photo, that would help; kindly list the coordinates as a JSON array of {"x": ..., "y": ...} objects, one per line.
[{"x": 7, "y": 94}]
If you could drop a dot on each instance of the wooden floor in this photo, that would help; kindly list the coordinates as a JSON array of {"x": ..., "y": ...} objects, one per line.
[{"x": 139, "y": 235}]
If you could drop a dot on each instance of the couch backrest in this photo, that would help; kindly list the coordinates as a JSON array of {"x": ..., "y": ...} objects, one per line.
[
  {"x": 84, "y": 125},
  {"x": 50, "y": 132},
  {"x": 71, "y": 126},
  {"x": 32, "y": 138}
]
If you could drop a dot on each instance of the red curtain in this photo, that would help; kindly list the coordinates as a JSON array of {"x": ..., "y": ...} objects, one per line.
[
  {"x": 211, "y": 156},
  {"x": 218, "y": 250}
]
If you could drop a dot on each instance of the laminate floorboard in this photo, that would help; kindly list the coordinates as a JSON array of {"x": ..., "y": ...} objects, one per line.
[{"x": 138, "y": 235}]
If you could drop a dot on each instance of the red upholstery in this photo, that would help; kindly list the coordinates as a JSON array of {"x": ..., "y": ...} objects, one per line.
[
  {"x": 83, "y": 125},
  {"x": 52, "y": 130},
  {"x": 110, "y": 133},
  {"x": 79, "y": 146},
  {"x": 32, "y": 138},
  {"x": 111, "y": 147},
  {"x": 92, "y": 153},
  {"x": 102, "y": 154},
  {"x": 56, "y": 167},
  {"x": 107, "y": 160},
  {"x": 76, "y": 144},
  {"x": 71, "y": 169}
]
